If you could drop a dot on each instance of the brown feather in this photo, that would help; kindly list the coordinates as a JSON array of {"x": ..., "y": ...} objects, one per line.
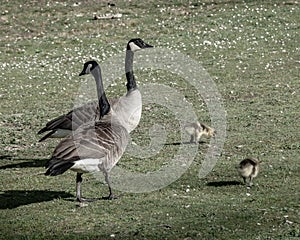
[{"x": 93, "y": 140}]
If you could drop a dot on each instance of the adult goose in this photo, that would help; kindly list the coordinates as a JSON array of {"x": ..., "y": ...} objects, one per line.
[
  {"x": 94, "y": 146},
  {"x": 127, "y": 107}
]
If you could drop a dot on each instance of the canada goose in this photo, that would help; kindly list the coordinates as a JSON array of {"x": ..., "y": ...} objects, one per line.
[
  {"x": 127, "y": 107},
  {"x": 94, "y": 146},
  {"x": 249, "y": 168},
  {"x": 196, "y": 130}
]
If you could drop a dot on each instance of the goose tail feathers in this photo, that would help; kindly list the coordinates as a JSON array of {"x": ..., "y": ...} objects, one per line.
[{"x": 56, "y": 167}]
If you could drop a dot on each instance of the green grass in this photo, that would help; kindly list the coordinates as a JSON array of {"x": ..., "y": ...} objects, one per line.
[{"x": 250, "y": 49}]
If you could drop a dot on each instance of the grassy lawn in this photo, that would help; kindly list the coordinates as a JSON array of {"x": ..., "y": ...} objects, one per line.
[{"x": 251, "y": 51}]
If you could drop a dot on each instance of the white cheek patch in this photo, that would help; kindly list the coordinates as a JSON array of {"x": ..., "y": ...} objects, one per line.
[
  {"x": 134, "y": 47},
  {"x": 88, "y": 69}
]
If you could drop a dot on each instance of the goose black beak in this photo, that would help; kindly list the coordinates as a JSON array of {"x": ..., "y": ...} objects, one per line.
[
  {"x": 148, "y": 46},
  {"x": 82, "y": 73}
]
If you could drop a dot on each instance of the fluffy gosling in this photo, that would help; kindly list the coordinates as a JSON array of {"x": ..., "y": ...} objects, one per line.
[
  {"x": 196, "y": 130},
  {"x": 248, "y": 168}
]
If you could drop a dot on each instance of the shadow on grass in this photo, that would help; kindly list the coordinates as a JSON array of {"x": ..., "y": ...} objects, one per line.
[
  {"x": 179, "y": 143},
  {"x": 5, "y": 157},
  {"x": 32, "y": 163},
  {"x": 223, "y": 183},
  {"x": 15, "y": 198}
]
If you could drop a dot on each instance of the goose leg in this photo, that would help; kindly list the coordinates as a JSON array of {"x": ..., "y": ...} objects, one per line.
[
  {"x": 111, "y": 195},
  {"x": 78, "y": 190}
]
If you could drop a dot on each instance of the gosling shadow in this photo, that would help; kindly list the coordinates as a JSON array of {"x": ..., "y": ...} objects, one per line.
[
  {"x": 179, "y": 143},
  {"x": 14, "y": 198},
  {"x": 223, "y": 183}
]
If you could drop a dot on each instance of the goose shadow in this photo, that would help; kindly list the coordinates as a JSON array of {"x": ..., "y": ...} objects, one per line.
[
  {"x": 32, "y": 163},
  {"x": 179, "y": 143},
  {"x": 14, "y": 198},
  {"x": 223, "y": 183}
]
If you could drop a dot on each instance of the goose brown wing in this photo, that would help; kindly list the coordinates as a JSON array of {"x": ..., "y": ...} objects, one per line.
[
  {"x": 63, "y": 120},
  {"x": 75, "y": 118},
  {"x": 84, "y": 114},
  {"x": 72, "y": 120},
  {"x": 98, "y": 140}
]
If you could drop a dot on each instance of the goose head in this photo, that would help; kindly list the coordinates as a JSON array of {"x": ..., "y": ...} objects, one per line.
[
  {"x": 88, "y": 67},
  {"x": 92, "y": 67},
  {"x": 136, "y": 44}
]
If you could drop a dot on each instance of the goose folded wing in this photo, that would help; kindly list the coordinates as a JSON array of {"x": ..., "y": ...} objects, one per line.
[
  {"x": 73, "y": 119},
  {"x": 91, "y": 141}
]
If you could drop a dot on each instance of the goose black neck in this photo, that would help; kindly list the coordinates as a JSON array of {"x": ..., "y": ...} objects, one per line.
[
  {"x": 131, "y": 84},
  {"x": 102, "y": 99}
]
